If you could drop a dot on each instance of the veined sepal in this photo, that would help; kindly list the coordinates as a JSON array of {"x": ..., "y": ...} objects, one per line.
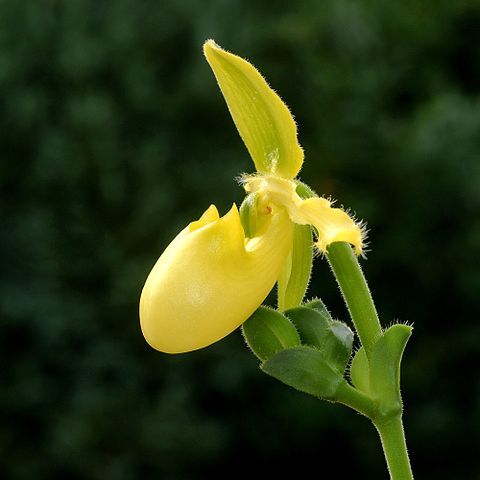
[{"x": 263, "y": 120}]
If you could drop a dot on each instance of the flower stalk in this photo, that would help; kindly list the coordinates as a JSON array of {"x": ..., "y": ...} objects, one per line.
[{"x": 355, "y": 291}]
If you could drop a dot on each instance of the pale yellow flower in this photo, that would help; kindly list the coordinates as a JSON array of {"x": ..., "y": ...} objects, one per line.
[{"x": 212, "y": 276}]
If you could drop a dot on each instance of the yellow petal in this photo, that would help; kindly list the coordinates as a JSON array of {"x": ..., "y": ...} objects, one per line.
[
  {"x": 331, "y": 224},
  {"x": 209, "y": 216},
  {"x": 262, "y": 119},
  {"x": 210, "y": 279}
]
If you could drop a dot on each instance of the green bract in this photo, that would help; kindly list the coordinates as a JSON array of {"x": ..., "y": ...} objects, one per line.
[
  {"x": 307, "y": 370},
  {"x": 379, "y": 377},
  {"x": 268, "y": 332},
  {"x": 294, "y": 345}
]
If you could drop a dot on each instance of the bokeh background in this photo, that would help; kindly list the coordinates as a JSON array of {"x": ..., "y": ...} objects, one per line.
[{"x": 113, "y": 136}]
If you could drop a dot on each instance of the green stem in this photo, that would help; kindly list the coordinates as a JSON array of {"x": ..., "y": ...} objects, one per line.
[
  {"x": 395, "y": 448},
  {"x": 356, "y": 293},
  {"x": 360, "y": 304}
]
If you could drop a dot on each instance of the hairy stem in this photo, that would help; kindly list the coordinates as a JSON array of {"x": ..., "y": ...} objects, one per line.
[
  {"x": 395, "y": 448},
  {"x": 356, "y": 293}
]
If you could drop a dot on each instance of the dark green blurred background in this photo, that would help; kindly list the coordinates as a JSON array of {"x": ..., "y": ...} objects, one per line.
[{"x": 113, "y": 136}]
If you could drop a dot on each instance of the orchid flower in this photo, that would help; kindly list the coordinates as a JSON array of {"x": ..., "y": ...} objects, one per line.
[
  {"x": 215, "y": 274},
  {"x": 219, "y": 270}
]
